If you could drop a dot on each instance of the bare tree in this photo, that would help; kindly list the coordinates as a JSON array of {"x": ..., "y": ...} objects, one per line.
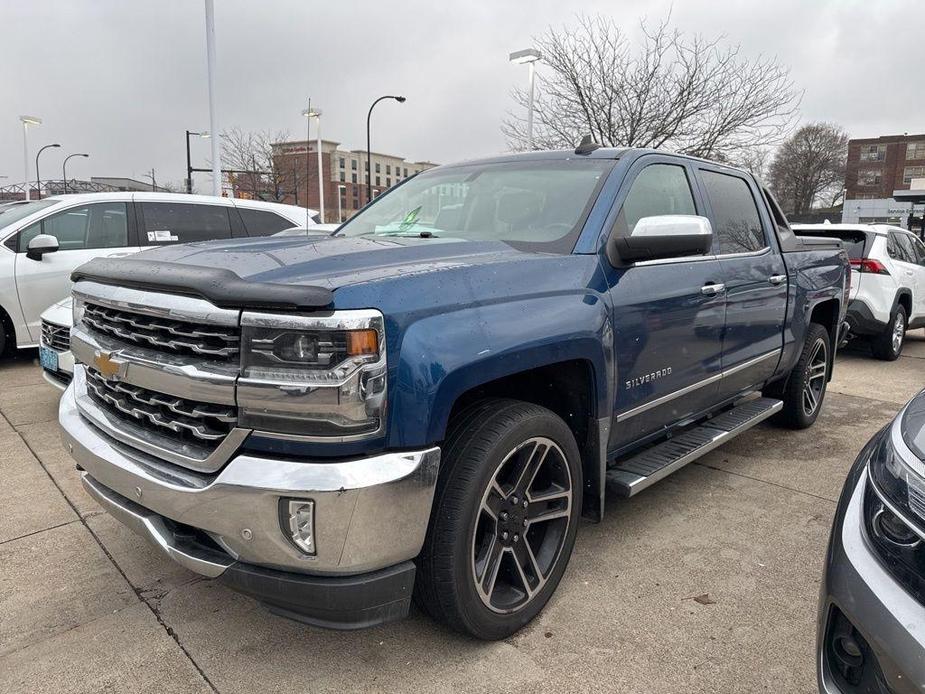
[
  {"x": 809, "y": 168},
  {"x": 687, "y": 94},
  {"x": 252, "y": 152}
]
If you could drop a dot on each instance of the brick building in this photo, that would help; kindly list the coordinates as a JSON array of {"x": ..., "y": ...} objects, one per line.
[
  {"x": 344, "y": 174},
  {"x": 876, "y": 167}
]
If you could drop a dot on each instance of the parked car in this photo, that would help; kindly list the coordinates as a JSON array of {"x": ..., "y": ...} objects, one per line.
[
  {"x": 887, "y": 282},
  {"x": 871, "y": 633},
  {"x": 42, "y": 241},
  {"x": 425, "y": 402}
]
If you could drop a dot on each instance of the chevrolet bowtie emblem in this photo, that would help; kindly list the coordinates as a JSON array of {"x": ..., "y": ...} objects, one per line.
[{"x": 109, "y": 368}]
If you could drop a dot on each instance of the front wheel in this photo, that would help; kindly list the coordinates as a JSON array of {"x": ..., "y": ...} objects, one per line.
[
  {"x": 805, "y": 387},
  {"x": 504, "y": 518}
]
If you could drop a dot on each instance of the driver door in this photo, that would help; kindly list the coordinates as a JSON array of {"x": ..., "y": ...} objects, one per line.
[{"x": 84, "y": 232}]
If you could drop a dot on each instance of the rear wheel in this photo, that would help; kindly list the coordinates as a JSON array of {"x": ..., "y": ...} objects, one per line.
[
  {"x": 504, "y": 520},
  {"x": 888, "y": 345},
  {"x": 805, "y": 387}
]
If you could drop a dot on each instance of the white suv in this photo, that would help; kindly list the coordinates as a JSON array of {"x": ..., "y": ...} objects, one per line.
[
  {"x": 42, "y": 241},
  {"x": 887, "y": 282}
]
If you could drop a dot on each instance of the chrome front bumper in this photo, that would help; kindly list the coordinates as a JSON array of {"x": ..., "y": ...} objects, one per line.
[{"x": 370, "y": 513}]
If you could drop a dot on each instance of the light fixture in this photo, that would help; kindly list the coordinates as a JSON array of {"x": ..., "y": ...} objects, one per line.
[
  {"x": 302, "y": 524},
  {"x": 528, "y": 55}
]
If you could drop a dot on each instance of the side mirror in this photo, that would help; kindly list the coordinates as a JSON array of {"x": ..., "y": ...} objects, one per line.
[
  {"x": 40, "y": 245},
  {"x": 663, "y": 236}
]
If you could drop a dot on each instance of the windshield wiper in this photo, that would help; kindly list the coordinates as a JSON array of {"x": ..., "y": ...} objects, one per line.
[{"x": 411, "y": 235}]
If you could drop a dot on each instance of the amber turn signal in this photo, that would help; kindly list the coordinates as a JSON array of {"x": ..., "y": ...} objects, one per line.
[{"x": 362, "y": 342}]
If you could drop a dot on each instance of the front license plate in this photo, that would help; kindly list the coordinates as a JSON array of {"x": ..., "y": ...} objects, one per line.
[{"x": 48, "y": 359}]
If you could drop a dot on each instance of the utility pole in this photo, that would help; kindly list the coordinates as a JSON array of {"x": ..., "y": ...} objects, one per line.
[{"x": 213, "y": 117}]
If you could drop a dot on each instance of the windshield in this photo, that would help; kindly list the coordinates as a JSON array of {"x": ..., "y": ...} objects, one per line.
[
  {"x": 538, "y": 203},
  {"x": 10, "y": 214}
]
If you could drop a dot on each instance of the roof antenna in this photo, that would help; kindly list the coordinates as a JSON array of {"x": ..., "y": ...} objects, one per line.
[{"x": 587, "y": 145}]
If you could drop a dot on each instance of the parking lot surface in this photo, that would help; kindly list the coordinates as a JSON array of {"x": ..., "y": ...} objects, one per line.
[{"x": 86, "y": 606}]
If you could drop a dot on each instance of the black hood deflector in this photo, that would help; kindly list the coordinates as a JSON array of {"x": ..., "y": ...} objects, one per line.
[{"x": 219, "y": 286}]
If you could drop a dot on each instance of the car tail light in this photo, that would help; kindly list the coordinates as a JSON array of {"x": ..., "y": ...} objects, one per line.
[{"x": 869, "y": 265}]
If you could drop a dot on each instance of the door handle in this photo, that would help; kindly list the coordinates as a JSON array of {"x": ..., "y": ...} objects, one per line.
[
  {"x": 713, "y": 289},
  {"x": 777, "y": 279}
]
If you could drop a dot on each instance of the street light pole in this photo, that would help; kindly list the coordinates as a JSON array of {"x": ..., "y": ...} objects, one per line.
[
  {"x": 369, "y": 180},
  {"x": 189, "y": 163},
  {"x": 64, "y": 167},
  {"x": 529, "y": 56},
  {"x": 38, "y": 178},
  {"x": 213, "y": 117},
  {"x": 320, "y": 169},
  {"x": 26, "y": 122}
]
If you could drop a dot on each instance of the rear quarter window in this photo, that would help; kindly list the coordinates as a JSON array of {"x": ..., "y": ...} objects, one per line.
[
  {"x": 263, "y": 222},
  {"x": 856, "y": 242}
]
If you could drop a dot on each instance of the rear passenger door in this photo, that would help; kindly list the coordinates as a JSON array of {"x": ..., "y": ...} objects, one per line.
[
  {"x": 755, "y": 278},
  {"x": 169, "y": 223},
  {"x": 912, "y": 266}
]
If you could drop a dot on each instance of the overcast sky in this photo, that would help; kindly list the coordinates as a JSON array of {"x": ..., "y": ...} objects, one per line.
[{"x": 122, "y": 80}]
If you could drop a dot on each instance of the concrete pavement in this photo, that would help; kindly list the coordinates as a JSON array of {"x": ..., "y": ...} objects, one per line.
[{"x": 87, "y": 606}]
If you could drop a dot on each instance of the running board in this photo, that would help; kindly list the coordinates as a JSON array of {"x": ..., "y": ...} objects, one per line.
[{"x": 631, "y": 476}]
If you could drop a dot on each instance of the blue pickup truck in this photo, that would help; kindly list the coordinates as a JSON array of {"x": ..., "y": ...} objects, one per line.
[{"x": 423, "y": 405}]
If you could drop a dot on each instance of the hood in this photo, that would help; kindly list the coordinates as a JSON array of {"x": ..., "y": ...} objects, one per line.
[
  {"x": 332, "y": 262},
  {"x": 59, "y": 312}
]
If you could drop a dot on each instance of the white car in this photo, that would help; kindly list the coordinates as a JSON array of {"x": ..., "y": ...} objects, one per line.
[
  {"x": 42, "y": 241},
  {"x": 887, "y": 282},
  {"x": 55, "y": 344}
]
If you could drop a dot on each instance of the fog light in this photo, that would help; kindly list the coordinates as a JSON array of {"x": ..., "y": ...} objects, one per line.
[{"x": 302, "y": 524}]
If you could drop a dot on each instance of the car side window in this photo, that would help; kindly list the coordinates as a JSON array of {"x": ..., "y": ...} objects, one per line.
[
  {"x": 919, "y": 249},
  {"x": 901, "y": 248},
  {"x": 263, "y": 222},
  {"x": 736, "y": 220},
  {"x": 167, "y": 223},
  {"x": 101, "y": 225},
  {"x": 659, "y": 189}
]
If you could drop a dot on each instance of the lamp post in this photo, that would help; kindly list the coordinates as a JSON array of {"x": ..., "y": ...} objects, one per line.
[
  {"x": 26, "y": 122},
  {"x": 310, "y": 113},
  {"x": 189, "y": 163},
  {"x": 529, "y": 56},
  {"x": 369, "y": 154},
  {"x": 64, "y": 167},
  {"x": 340, "y": 194},
  {"x": 38, "y": 178},
  {"x": 213, "y": 115}
]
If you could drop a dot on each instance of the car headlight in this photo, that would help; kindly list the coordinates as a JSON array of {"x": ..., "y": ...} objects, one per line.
[
  {"x": 78, "y": 305},
  {"x": 894, "y": 511},
  {"x": 313, "y": 376}
]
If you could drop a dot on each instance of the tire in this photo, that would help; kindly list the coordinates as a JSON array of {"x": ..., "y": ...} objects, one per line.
[
  {"x": 810, "y": 375},
  {"x": 481, "y": 518},
  {"x": 888, "y": 345}
]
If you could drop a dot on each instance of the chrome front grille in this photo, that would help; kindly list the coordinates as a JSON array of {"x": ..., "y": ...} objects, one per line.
[
  {"x": 58, "y": 337},
  {"x": 205, "y": 424},
  {"x": 165, "y": 334}
]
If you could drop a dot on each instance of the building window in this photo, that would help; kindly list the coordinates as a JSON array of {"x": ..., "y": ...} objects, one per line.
[
  {"x": 343, "y": 177},
  {"x": 405, "y": 174},
  {"x": 870, "y": 177},
  {"x": 353, "y": 164},
  {"x": 377, "y": 178},
  {"x": 342, "y": 162},
  {"x": 388, "y": 168},
  {"x": 873, "y": 152},
  {"x": 353, "y": 178},
  {"x": 388, "y": 181},
  {"x": 378, "y": 169},
  {"x": 915, "y": 150},
  {"x": 911, "y": 172}
]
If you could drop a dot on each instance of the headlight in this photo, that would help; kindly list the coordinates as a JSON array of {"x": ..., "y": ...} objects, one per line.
[
  {"x": 894, "y": 511},
  {"x": 78, "y": 305},
  {"x": 313, "y": 376}
]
